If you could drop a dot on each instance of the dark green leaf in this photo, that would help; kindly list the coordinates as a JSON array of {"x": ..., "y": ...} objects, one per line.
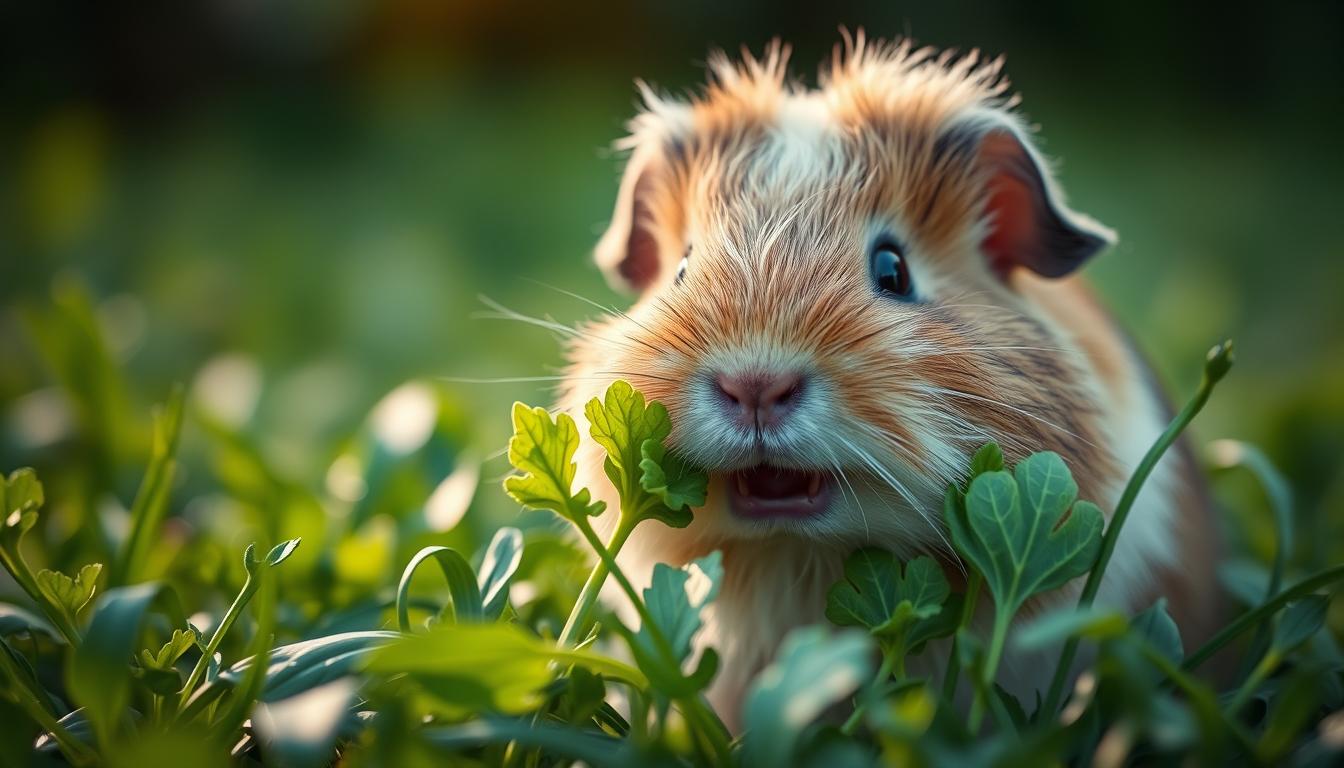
[
  {"x": 988, "y": 459},
  {"x": 1024, "y": 532},
  {"x": 675, "y": 599},
  {"x": 902, "y": 608},
  {"x": 1300, "y": 621},
  {"x": 301, "y": 730},
  {"x": 674, "y": 483}
]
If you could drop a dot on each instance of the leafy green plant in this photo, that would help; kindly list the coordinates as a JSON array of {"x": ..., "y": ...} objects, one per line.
[{"x": 508, "y": 657}]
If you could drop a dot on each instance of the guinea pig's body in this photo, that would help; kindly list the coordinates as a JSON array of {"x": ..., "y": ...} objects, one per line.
[{"x": 844, "y": 291}]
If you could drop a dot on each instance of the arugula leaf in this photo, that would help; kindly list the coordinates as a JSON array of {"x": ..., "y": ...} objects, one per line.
[
  {"x": 651, "y": 482},
  {"x": 67, "y": 594},
  {"x": 1024, "y": 531},
  {"x": 543, "y": 450},
  {"x": 891, "y": 605}
]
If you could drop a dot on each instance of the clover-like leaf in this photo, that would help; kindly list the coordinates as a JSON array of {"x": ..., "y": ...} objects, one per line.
[
  {"x": 70, "y": 595},
  {"x": 675, "y": 485},
  {"x": 1024, "y": 531},
  {"x": 877, "y": 596},
  {"x": 543, "y": 449}
]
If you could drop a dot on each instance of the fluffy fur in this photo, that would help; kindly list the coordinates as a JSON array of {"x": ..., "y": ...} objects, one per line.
[{"x": 778, "y": 190}]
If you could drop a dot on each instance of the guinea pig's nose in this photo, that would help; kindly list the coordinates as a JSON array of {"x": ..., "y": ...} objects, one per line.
[{"x": 758, "y": 399}]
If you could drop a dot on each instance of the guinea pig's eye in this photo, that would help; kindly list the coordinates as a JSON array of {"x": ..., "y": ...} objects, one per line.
[
  {"x": 890, "y": 271},
  {"x": 681, "y": 268}
]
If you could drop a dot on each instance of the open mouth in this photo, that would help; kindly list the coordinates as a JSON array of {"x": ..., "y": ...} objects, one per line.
[{"x": 765, "y": 492}]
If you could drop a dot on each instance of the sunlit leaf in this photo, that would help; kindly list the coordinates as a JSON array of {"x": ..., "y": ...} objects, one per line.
[
  {"x": 502, "y": 557},
  {"x": 543, "y": 449},
  {"x": 70, "y": 595}
]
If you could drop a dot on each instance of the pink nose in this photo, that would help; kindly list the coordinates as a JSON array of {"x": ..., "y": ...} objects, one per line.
[{"x": 757, "y": 399}]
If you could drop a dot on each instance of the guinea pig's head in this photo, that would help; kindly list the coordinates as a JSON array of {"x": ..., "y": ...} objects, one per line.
[{"x": 829, "y": 288}]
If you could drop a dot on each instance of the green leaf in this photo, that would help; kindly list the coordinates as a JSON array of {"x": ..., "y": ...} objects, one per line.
[
  {"x": 1061, "y": 624},
  {"x": 466, "y": 595},
  {"x": 877, "y": 596},
  {"x": 14, "y": 620},
  {"x": 70, "y": 595},
  {"x": 182, "y": 641},
  {"x": 1157, "y": 627},
  {"x": 675, "y": 599},
  {"x": 1300, "y": 621},
  {"x": 674, "y": 482},
  {"x": 281, "y": 552},
  {"x": 1024, "y": 532},
  {"x": 151, "y": 499},
  {"x": 98, "y": 674},
  {"x": 299, "y": 667},
  {"x": 476, "y": 668},
  {"x": 988, "y": 459},
  {"x": 620, "y": 423},
  {"x": 543, "y": 451},
  {"x": 22, "y": 493},
  {"x": 813, "y": 670},
  {"x": 301, "y": 730},
  {"x": 502, "y": 557}
]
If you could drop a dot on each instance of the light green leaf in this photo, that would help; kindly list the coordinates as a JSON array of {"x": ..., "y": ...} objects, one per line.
[
  {"x": 813, "y": 670},
  {"x": 483, "y": 668},
  {"x": 620, "y": 423},
  {"x": 877, "y": 596},
  {"x": 181, "y": 642},
  {"x": 22, "y": 492},
  {"x": 674, "y": 483},
  {"x": 1023, "y": 531},
  {"x": 70, "y": 595},
  {"x": 543, "y": 449}
]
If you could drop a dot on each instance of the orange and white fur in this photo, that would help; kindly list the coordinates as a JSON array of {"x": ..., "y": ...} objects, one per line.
[{"x": 747, "y": 223}]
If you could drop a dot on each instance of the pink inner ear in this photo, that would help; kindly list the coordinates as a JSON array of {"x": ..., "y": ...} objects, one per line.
[{"x": 1010, "y": 206}]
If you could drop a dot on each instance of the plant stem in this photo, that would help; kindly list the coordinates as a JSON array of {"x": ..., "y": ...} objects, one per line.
[
  {"x": 235, "y": 610},
  {"x": 23, "y": 575},
  {"x": 972, "y": 594},
  {"x": 1266, "y": 609},
  {"x": 1215, "y": 367},
  {"x": 890, "y": 659},
  {"x": 1262, "y": 670},
  {"x": 579, "y": 617},
  {"x": 995, "y": 652},
  {"x": 74, "y": 749},
  {"x": 692, "y": 706}
]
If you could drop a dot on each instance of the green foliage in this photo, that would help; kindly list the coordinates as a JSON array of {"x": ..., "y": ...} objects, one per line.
[
  {"x": 543, "y": 450},
  {"x": 475, "y": 673}
]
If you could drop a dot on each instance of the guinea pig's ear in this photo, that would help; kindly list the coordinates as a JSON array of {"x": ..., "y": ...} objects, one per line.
[
  {"x": 628, "y": 250},
  {"x": 1028, "y": 224}
]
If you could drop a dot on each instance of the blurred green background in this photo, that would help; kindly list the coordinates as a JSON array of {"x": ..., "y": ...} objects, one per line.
[{"x": 292, "y": 207}]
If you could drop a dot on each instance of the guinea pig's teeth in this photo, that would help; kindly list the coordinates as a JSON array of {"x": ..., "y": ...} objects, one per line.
[
  {"x": 814, "y": 486},
  {"x": 742, "y": 485}
]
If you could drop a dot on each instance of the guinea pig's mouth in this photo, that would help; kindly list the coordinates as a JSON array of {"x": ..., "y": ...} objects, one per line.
[{"x": 764, "y": 492}]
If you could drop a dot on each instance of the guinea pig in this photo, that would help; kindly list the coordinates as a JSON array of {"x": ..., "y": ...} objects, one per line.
[{"x": 843, "y": 291}]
